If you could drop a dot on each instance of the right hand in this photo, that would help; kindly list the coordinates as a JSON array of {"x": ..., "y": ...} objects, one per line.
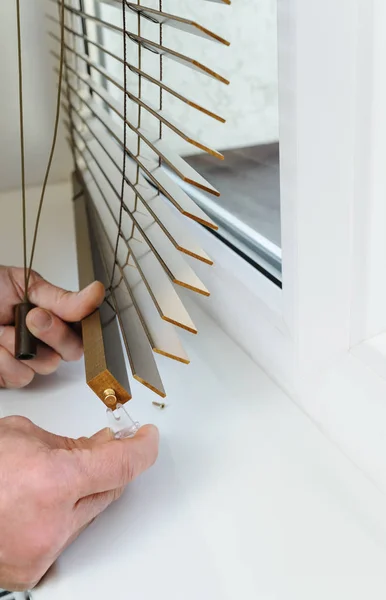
[{"x": 52, "y": 487}]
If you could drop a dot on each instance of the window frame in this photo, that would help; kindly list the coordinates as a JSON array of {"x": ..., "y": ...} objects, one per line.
[
  {"x": 322, "y": 338},
  {"x": 312, "y": 313}
]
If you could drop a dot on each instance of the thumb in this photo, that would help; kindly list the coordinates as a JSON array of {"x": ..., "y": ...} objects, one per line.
[
  {"x": 112, "y": 465},
  {"x": 69, "y": 306},
  {"x": 57, "y": 442}
]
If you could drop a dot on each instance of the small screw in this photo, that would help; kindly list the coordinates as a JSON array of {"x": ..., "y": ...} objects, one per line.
[{"x": 160, "y": 405}]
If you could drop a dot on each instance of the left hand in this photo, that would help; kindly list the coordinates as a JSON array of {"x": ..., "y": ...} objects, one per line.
[{"x": 48, "y": 322}]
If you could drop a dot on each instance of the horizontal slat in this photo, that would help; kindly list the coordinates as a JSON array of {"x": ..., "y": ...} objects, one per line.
[
  {"x": 177, "y": 56},
  {"x": 167, "y": 187},
  {"x": 180, "y": 271},
  {"x": 164, "y": 335},
  {"x": 185, "y": 241},
  {"x": 139, "y": 351},
  {"x": 180, "y": 198},
  {"x": 159, "y": 286},
  {"x": 133, "y": 69},
  {"x": 104, "y": 363},
  {"x": 169, "y": 52},
  {"x": 162, "y": 149},
  {"x": 171, "y": 260},
  {"x": 152, "y": 202},
  {"x": 161, "y": 17},
  {"x": 178, "y": 164},
  {"x": 161, "y": 115},
  {"x": 156, "y": 209}
]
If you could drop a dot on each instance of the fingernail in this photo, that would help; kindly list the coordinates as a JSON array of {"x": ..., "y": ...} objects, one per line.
[
  {"x": 41, "y": 319},
  {"x": 86, "y": 289},
  {"x": 97, "y": 287}
]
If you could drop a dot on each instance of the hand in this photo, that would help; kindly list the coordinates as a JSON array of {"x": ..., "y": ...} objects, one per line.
[
  {"x": 47, "y": 323},
  {"x": 52, "y": 487}
]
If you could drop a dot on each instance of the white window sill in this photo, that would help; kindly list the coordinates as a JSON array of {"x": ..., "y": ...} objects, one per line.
[{"x": 248, "y": 498}]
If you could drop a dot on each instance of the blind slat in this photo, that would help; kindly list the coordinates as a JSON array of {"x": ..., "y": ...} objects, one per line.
[
  {"x": 156, "y": 176},
  {"x": 161, "y": 115},
  {"x": 163, "y": 294},
  {"x": 187, "y": 25},
  {"x": 98, "y": 67},
  {"x": 139, "y": 351}
]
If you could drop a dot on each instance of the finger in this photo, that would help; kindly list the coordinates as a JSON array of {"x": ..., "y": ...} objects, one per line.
[
  {"x": 47, "y": 360},
  {"x": 51, "y": 330},
  {"x": 59, "y": 442},
  {"x": 110, "y": 466},
  {"x": 12, "y": 291},
  {"x": 13, "y": 373},
  {"x": 87, "y": 509},
  {"x": 69, "y": 306},
  {"x": 102, "y": 436}
]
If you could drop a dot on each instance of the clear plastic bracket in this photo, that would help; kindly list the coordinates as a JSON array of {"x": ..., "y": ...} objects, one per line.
[{"x": 120, "y": 422}]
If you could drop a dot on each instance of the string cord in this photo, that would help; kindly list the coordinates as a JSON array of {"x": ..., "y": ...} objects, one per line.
[
  {"x": 139, "y": 120},
  {"x": 124, "y": 140},
  {"x": 161, "y": 74},
  {"x": 53, "y": 146},
  {"x": 22, "y": 146}
]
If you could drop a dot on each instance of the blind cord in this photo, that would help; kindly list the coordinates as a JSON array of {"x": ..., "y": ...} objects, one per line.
[
  {"x": 124, "y": 140},
  {"x": 53, "y": 146},
  {"x": 22, "y": 147}
]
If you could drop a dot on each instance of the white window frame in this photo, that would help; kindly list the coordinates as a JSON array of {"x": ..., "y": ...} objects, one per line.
[{"x": 318, "y": 336}]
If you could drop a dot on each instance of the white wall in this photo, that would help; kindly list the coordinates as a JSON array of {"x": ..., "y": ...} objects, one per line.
[
  {"x": 39, "y": 91},
  {"x": 250, "y": 103}
]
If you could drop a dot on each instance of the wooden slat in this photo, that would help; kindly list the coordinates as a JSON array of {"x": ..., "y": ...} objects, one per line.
[
  {"x": 164, "y": 295},
  {"x": 153, "y": 205},
  {"x": 185, "y": 241},
  {"x": 172, "y": 262},
  {"x": 139, "y": 351},
  {"x": 161, "y": 148},
  {"x": 169, "y": 52},
  {"x": 179, "y": 198},
  {"x": 164, "y": 183},
  {"x": 133, "y": 69},
  {"x": 178, "y": 164},
  {"x": 161, "y": 115},
  {"x": 162, "y": 336},
  {"x": 165, "y": 338},
  {"x": 181, "y": 272},
  {"x": 177, "y": 56},
  {"x": 187, "y": 25},
  {"x": 105, "y": 368}
]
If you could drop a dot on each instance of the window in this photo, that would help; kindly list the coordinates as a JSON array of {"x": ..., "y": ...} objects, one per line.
[{"x": 248, "y": 210}]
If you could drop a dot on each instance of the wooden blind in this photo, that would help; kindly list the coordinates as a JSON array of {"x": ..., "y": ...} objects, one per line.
[{"x": 131, "y": 215}]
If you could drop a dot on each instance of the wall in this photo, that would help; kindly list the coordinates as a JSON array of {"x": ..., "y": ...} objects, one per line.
[{"x": 39, "y": 96}]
